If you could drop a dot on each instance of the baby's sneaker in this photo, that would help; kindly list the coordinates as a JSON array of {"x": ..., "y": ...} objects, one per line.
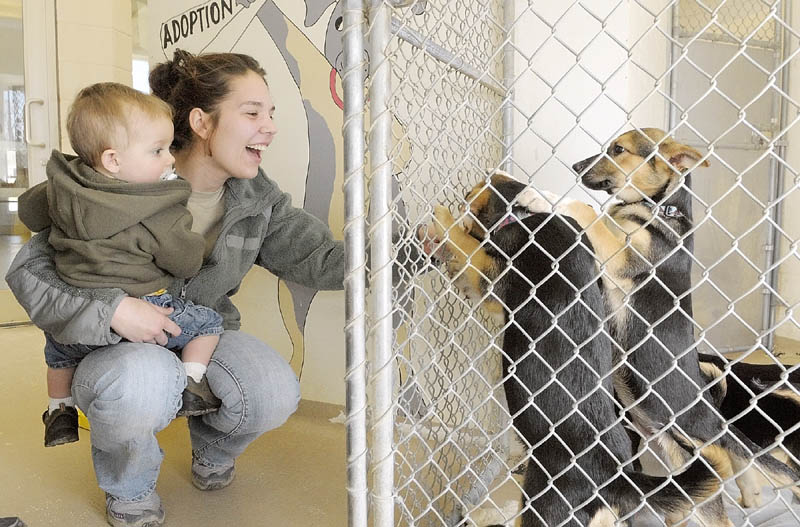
[
  {"x": 60, "y": 425},
  {"x": 198, "y": 399}
]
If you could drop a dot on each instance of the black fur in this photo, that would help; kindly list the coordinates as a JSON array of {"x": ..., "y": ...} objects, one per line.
[
  {"x": 652, "y": 357},
  {"x": 655, "y": 337},
  {"x": 561, "y": 361},
  {"x": 772, "y": 414}
]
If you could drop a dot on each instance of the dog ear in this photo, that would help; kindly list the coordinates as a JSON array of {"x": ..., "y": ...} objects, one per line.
[
  {"x": 681, "y": 156},
  {"x": 315, "y": 10}
]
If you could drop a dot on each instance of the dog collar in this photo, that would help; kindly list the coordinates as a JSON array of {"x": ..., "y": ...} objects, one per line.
[{"x": 670, "y": 211}]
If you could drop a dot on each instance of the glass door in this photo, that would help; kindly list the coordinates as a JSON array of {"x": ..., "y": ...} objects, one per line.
[{"x": 28, "y": 122}]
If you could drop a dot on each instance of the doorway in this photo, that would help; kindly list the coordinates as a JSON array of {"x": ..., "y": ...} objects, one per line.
[{"x": 28, "y": 123}]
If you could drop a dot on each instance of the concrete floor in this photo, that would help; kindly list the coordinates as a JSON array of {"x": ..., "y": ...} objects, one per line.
[{"x": 291, "y": 476}]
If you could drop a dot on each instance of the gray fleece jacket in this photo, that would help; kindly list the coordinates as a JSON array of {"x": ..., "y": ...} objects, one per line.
[{"x": 260, "y": 226}]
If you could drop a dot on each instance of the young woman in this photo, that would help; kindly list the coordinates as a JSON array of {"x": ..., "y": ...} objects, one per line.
[{"x": 131, "y": 390}]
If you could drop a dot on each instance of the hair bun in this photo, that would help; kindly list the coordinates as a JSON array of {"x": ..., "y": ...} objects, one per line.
[
  {"x": 166, "y": 76},
  {"x": 183, "y": 63}
]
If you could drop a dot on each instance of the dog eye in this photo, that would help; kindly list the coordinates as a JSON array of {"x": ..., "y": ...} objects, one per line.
[{"x": 617, "y": 150}]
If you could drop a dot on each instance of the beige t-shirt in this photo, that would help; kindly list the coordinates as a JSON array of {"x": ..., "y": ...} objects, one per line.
[{"x": 207, "y": 209}]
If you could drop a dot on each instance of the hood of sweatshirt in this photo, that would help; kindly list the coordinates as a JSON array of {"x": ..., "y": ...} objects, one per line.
[{"x": 88, "y": 205}]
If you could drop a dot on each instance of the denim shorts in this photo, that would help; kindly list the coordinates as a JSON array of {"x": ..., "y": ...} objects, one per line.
[{"x": 194, "y": 321}]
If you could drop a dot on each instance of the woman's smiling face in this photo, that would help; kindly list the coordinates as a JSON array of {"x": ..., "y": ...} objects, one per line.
[{"x": 244, "y": 128}]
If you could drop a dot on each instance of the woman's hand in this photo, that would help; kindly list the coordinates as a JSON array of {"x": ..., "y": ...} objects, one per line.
[{"x": 139, "y": 321}]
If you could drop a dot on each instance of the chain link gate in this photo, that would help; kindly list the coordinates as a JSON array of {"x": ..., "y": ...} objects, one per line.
[
  {"x": 742, "y": 49},
  {"x": 430, "y": 438}
]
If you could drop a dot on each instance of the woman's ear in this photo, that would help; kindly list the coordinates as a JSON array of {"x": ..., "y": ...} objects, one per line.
[
  {"x": 680, "y": 156},
  {"x": 200, "y": 122},
  {"x": 110, "y": 161}
]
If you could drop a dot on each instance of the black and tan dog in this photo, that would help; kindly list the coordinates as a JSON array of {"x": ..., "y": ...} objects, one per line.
[
  {"x": 643, "y": 246},
  {"x": 557, "y": 362},
  {"x": 759, "y": 401}
]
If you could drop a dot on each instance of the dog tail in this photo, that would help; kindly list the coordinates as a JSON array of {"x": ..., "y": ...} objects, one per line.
[
  {"x": 742, "y": 448},
  {"x": 699, "y": 482},
  {"x": 711, "y": 371}
]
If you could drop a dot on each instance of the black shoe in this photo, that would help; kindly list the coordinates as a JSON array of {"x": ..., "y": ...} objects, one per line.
[
  {"x": 11, "y": 521},
  {"x": 60, "y": 425},
  {"x": 198, "y": 398}
]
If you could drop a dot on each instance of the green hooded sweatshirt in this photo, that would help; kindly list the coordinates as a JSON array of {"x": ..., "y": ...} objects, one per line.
[{"x": 110, "y": 233}]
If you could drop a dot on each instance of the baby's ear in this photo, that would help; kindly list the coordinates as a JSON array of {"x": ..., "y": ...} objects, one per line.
[
  {"x": 110, "y": 161},
  {"x": 681, "y": 156}
]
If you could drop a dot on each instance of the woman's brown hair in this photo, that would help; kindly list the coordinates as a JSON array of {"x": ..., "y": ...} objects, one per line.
[{"x": 197, "y": 81}]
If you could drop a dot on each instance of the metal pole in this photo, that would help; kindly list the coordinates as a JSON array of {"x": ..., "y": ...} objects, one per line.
[
  {"x": 354, "y": 279},
  {"x": 445, "y": 56},
  {"x": 673, "y": 74},
  {"x": 381, "y": 264},
  {"x": 776, "y": 175},
  {"x": 508, "y": 79}
]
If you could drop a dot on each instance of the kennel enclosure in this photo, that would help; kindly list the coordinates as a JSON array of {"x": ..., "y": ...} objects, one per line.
[{"x": 437, "y": 95}]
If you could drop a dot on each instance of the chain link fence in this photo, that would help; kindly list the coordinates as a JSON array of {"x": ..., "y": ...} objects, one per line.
[{"x": 439, "y": 95}]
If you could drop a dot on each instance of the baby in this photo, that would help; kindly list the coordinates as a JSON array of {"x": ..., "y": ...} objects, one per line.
[{"x": 118, "y": 219}]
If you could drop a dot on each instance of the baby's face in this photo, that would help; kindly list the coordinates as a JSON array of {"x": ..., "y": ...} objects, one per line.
[{"x": 146, "y": 157}]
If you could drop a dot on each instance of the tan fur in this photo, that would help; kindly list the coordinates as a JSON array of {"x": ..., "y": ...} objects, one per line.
[
  {"x": 477, "y": 199},
  {"x": 749, "y": 478},
  {"x": 788, "y": 394},
  {"x": 748, "y": 481},
  {"x": 634, "y": 175},
  {"x": 473, "y": 270},
  {"x": 708, "y": 513},
  {"x": 716, "y": 456},
  {"x": 712, "y": 371},
  {"x": 605, "y": 517}
]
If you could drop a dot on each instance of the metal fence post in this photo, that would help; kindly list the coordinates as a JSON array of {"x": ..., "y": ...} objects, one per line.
[
  {"x": 355, "y": 265},
  {"x": 381, "y": 265}
]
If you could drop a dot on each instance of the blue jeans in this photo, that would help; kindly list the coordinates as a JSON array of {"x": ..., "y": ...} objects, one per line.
[
  {"x": 194, "y": 321},
  {"x": 131, "y": 391}
]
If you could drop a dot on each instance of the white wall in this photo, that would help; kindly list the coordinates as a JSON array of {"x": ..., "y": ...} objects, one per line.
[
  {"x": 577, "y": 86},
  {"x": 11, "y": 57},
  {"x": 565, "y": 114},
  {"x": 789, "y": 274},
  {"x": 94, "y": 45}
]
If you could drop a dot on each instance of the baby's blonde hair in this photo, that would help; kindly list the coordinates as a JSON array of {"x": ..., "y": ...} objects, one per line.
[{"x": 100, "y": 118}]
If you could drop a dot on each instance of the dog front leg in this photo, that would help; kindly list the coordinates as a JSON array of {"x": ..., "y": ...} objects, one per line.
[
  {"x": 748, "y": 481},
  {"x": 609, "y": 248}
]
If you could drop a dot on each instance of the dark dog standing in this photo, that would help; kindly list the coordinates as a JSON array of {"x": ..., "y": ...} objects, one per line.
[
  {"x": 557, "y": 361},
  {"x": 644, "y": 248}
]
